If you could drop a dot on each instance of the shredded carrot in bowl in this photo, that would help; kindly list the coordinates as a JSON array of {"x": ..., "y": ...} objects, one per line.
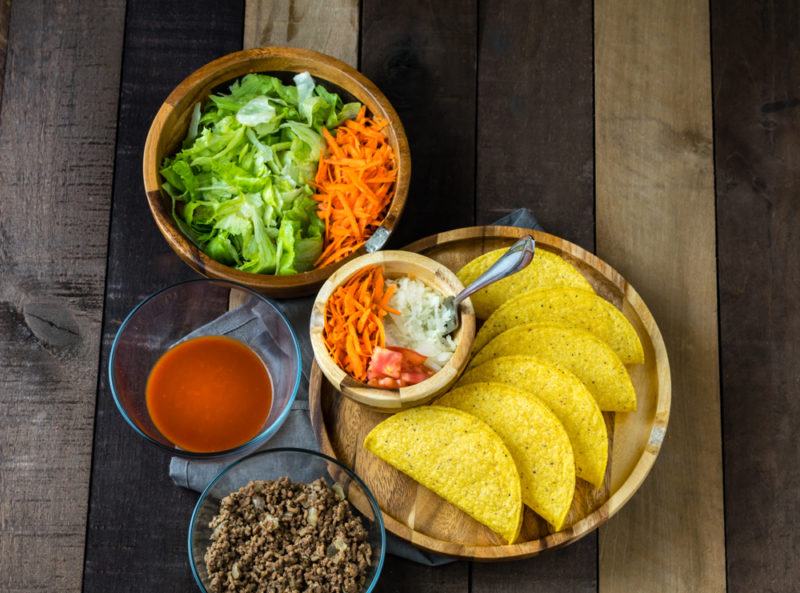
[
  {"x": 354, "y": 320},
  {"x": 354, "y": 184}
]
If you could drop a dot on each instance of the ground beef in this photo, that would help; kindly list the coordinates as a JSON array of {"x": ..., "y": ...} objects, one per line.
[{"x": 281, "y": 536}]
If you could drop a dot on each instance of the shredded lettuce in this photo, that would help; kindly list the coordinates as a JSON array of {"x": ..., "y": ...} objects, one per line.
[
  {"x": 240, "y": 185},
  {"x": 256, "y": 111}
]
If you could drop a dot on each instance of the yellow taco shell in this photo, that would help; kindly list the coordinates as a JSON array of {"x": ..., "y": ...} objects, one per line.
[{"x": 458, "y": 457}]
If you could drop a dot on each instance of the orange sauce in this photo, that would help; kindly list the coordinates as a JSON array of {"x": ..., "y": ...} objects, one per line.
[{"x": 208, "y": 394}]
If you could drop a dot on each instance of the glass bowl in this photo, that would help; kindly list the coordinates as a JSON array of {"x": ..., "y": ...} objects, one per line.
[
  {"x": 190, "y": 309},
  {"x": 299, "y": 465}
]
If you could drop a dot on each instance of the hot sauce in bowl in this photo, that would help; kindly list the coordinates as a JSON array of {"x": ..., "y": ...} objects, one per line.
[{"x": 208, "y": 394}]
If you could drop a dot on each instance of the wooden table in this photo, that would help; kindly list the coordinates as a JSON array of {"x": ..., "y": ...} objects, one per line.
[{"x": 663, "y": 135}]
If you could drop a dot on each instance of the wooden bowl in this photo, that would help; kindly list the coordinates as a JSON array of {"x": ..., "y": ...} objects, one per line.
[
  {"x": 172, "y": 121},
  {"x": 395, "y": 264}
]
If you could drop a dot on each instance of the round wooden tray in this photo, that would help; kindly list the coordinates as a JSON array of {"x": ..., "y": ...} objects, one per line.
[{"x": 415, "y": 514}]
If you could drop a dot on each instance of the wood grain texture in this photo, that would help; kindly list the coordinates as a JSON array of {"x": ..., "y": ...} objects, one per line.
[
  {"x": 415, "y": 514},
  {"x": 328, "y": 26},
  {"x": 170, "y": 124},
  {"x": 404, "y": 576},
  {"x": 655, "y": 223},
  {"x": 756, "y": 49},
  {"x": 535, "y": 114},
  {"x": 138, "y": 518},
  {"x": 422, "y": 55},
  {"x": 57, "y": 145},
  {"x": 5, "y": 15},
  {"x": 535, "y": 149}
]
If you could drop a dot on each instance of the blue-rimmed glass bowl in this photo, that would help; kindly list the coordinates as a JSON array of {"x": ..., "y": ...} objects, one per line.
[
  {"x": 299, "y": 465},
  {"x": 190, "y": 309}
]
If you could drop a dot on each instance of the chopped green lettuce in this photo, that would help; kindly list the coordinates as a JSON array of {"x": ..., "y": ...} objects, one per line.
[{"x": 240, "y": 184}]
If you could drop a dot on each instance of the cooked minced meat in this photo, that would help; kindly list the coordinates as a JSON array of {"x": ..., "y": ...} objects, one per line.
[{"x": 282, "y": 536}]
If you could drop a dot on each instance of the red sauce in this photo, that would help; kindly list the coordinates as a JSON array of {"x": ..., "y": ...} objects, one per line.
[{"x": 209, "y": 394}]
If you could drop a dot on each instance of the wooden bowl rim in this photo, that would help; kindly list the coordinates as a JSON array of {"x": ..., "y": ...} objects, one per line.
[
  {"x": 189, "y": 252},
  {"x": 617, "y": 499},
  {"x": 392, "y": 400}
]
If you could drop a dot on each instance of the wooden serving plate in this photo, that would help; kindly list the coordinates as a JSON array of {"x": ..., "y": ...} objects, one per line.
[{"x": 415, "y": 514}]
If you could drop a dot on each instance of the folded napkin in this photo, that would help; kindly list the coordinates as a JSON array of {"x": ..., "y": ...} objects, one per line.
[{"x": 245, "y": 322}]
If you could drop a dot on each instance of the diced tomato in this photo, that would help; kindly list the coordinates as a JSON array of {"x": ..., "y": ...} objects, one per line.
[
  {"x": 385, "y": 363},
  {"x": 412, "y": 357},
  {"x": 385, "y": 382},
  {"x": 394, "y": 367},
  {"x": 413, "y": 377},
  {"x": 389, "y": 383}
]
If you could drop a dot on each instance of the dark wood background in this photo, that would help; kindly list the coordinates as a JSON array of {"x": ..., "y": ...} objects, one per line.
[{"x": 664, "y": 135}]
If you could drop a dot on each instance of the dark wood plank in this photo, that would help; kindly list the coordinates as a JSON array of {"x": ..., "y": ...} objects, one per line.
[
  {"x": 422, "y": 55},
  {"x": 405, "y": 576},
  {"x": 756, "y": 53},
  {"x": 138, "y": 519},
  {"x": 535, "y": 149},
  {"x": 5, "y": 14},
  {"x": 535, "y": 114},
  {"x": 57, "y": 146},
  {"x": 655, "y": 224}
]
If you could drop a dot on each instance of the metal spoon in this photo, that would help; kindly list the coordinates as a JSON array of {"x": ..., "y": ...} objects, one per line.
[{"x": 512, "y": 261}]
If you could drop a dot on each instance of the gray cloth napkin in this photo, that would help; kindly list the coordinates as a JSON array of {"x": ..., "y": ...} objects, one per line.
[{"x": 244, "y": 323}]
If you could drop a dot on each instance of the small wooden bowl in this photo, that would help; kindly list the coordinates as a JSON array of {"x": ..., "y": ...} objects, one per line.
[
  {"x": 172, "y": 121},
  {"x": 395, "y": 264}
]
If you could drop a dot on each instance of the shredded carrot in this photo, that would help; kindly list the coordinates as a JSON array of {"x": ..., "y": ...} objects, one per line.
[
  {"x": 354, "y": 185},
  {"x": 354, "y": 320}
]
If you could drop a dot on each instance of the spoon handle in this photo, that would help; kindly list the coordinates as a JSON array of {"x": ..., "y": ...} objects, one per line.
[{"x": 517, "y": 257}]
